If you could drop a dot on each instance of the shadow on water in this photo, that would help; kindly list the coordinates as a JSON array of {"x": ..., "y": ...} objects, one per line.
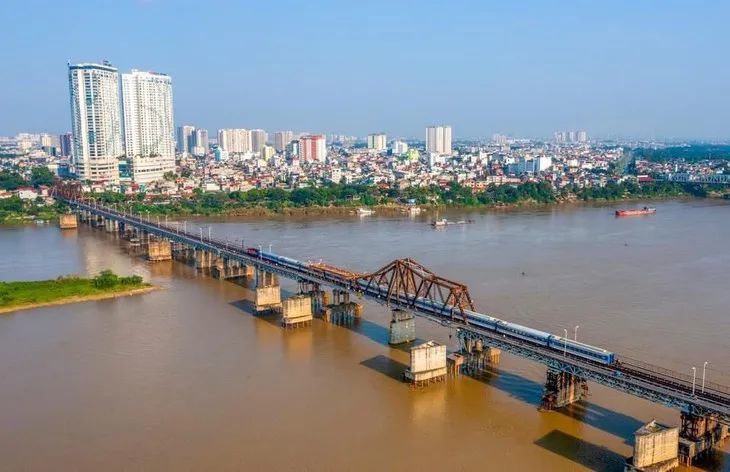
[
  {"x": 589, "y": 455},
  {"x": 247, "y": 307},
  {"x": 529, "y": 391},
  {"x": 386, "y": 366},
  {"x": 514, "y": 385},
  {"x": 716, "y": 461},
  {"x": 378, "y": 333}
]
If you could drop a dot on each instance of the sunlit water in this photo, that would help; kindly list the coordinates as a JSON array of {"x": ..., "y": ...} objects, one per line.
[{"x": 187, "y": 379}]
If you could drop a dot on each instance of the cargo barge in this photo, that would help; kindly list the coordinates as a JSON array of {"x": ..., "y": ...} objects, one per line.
[{"x": 637, "y": 212}]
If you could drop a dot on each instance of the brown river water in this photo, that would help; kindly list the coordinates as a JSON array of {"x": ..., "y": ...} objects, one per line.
[{"x": 185, "y": 378}]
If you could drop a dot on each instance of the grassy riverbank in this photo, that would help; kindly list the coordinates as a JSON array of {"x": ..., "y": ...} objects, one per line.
[{"x": 32, "y": 294}]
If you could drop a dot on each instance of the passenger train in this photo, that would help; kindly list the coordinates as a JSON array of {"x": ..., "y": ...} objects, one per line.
[{"x": 486, "y": 322}]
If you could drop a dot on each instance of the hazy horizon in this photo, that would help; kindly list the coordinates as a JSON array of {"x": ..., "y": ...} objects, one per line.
[{"x": 644, "y": 70}]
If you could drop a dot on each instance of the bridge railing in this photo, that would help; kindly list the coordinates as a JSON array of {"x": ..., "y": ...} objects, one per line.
[{"x": 678, "y": 376}]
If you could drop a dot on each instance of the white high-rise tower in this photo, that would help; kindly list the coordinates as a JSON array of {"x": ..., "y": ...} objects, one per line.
[
  {"x": 95, "y": 121},
  {"x": 438, "y": 139},
  {"x": 149, "y": 133}
]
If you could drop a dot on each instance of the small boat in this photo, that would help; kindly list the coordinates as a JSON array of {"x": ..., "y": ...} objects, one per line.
[
  {"x": 364, "y": 211},
  {"x": 445, "y": 222},
  {"x": 636, "y": 212},
  {"x": 414, "y": 210}
]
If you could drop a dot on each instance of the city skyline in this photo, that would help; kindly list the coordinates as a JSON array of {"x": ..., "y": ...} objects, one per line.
[{"x": 645, "y": 71}]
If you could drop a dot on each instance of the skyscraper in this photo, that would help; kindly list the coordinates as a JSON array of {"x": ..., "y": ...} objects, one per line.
[
  {"x": 95, "y": 121},
  {"x": 185, "y": 139},
  {"x": 200, "y": 142},
  {"x": 149, "y": 138},
  {"x": 235, "y": 140},
  {"x": 438, "y": 139},
  {"x": 282, "y": 139},
  {"x": 65, "y": 143},
  {"x": 258, "y": 139},
  {"x": 312, "y": 148},
  {"x": 377, "y": 142}
]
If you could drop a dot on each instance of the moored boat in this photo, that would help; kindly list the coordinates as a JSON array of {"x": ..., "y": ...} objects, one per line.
[{"x": 636, "y": 212}]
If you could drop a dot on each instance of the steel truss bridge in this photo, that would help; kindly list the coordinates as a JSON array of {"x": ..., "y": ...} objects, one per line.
[{"x": 400, "y": 283}]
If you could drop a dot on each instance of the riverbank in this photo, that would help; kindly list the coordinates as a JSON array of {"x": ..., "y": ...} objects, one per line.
[
  {"x": 395, "y": 209},
  {"x": 15, "y": 296}
]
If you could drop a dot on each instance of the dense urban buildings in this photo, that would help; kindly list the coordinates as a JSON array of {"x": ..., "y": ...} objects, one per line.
[
  {"x": 377, "y": 142},
  {"x": 148, "y": 125},
  {"x": 95, "y": 121},
  {"x": 438, "y": 139}
]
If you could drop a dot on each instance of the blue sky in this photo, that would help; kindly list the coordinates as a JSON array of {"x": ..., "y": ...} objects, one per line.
[{"x": 631, "y": 68}]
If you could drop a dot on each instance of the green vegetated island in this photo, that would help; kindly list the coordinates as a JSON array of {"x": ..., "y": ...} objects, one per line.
[{"x": 33, "y": 294}]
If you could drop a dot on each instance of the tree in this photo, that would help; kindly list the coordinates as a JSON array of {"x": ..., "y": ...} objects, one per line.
[
  {"x": 106, "y": 279},
  {"x": 41, "y": 176},
  {"x": 11, "y": 180}
]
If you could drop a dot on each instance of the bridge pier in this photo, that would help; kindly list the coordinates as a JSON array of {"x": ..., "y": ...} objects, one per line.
[
  {"x": 296, "y": 311},
  {"x": 203, "y": 259},
  {"x": 266, "y": 292},
  {"x": 342, "y": 310},
  {"x": 478, "y": 357},
  {"x": 68, "y": 221},
  {"x": 402, "y": 327},
  {"x": 160, "y": 250},
  {"x": 320, "y": 299},
  {"x": 228, "y": 268},
  {"x": 562, "y": 389},
  {"x": 698, "y": 435}
]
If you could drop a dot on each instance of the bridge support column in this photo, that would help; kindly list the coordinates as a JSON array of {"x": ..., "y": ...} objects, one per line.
[
  {"x": 160, "y": 250},
  {"x": 227, "y": 268},
  {"x": 319, "y": 298},
  {"x": 479, "y": 358},
  {"x": 296, "y": 311},
  {"x": 562, "y": 389},
  {"x": 203, "y": 259},
  {"x": 342, "y": 310},
  {"x": 402, "y": 327},
  {"x": 68, "y": 221},
  {"x": 698, "y": 436},
  {"x": 264, "y": 292}
]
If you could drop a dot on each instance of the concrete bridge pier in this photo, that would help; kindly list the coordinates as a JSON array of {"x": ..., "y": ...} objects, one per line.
[
  {"x": 266, "y": 294},
  {"x": 203, "y": 259},
  {"x": 68, "y": 221},
  {"x": 224, "y": 268},
  {"x": 402, "y": 327},
  {"x": 479, "y": 359},
  {"x": 296, "y": 311},
  {"x": 698, "y": 435},
  {"x": 320, "y": 299},
  {"x": 159, "y": 250},
  {"x": 342, "y": 310},
  {"x": 562, "y": 389}
]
